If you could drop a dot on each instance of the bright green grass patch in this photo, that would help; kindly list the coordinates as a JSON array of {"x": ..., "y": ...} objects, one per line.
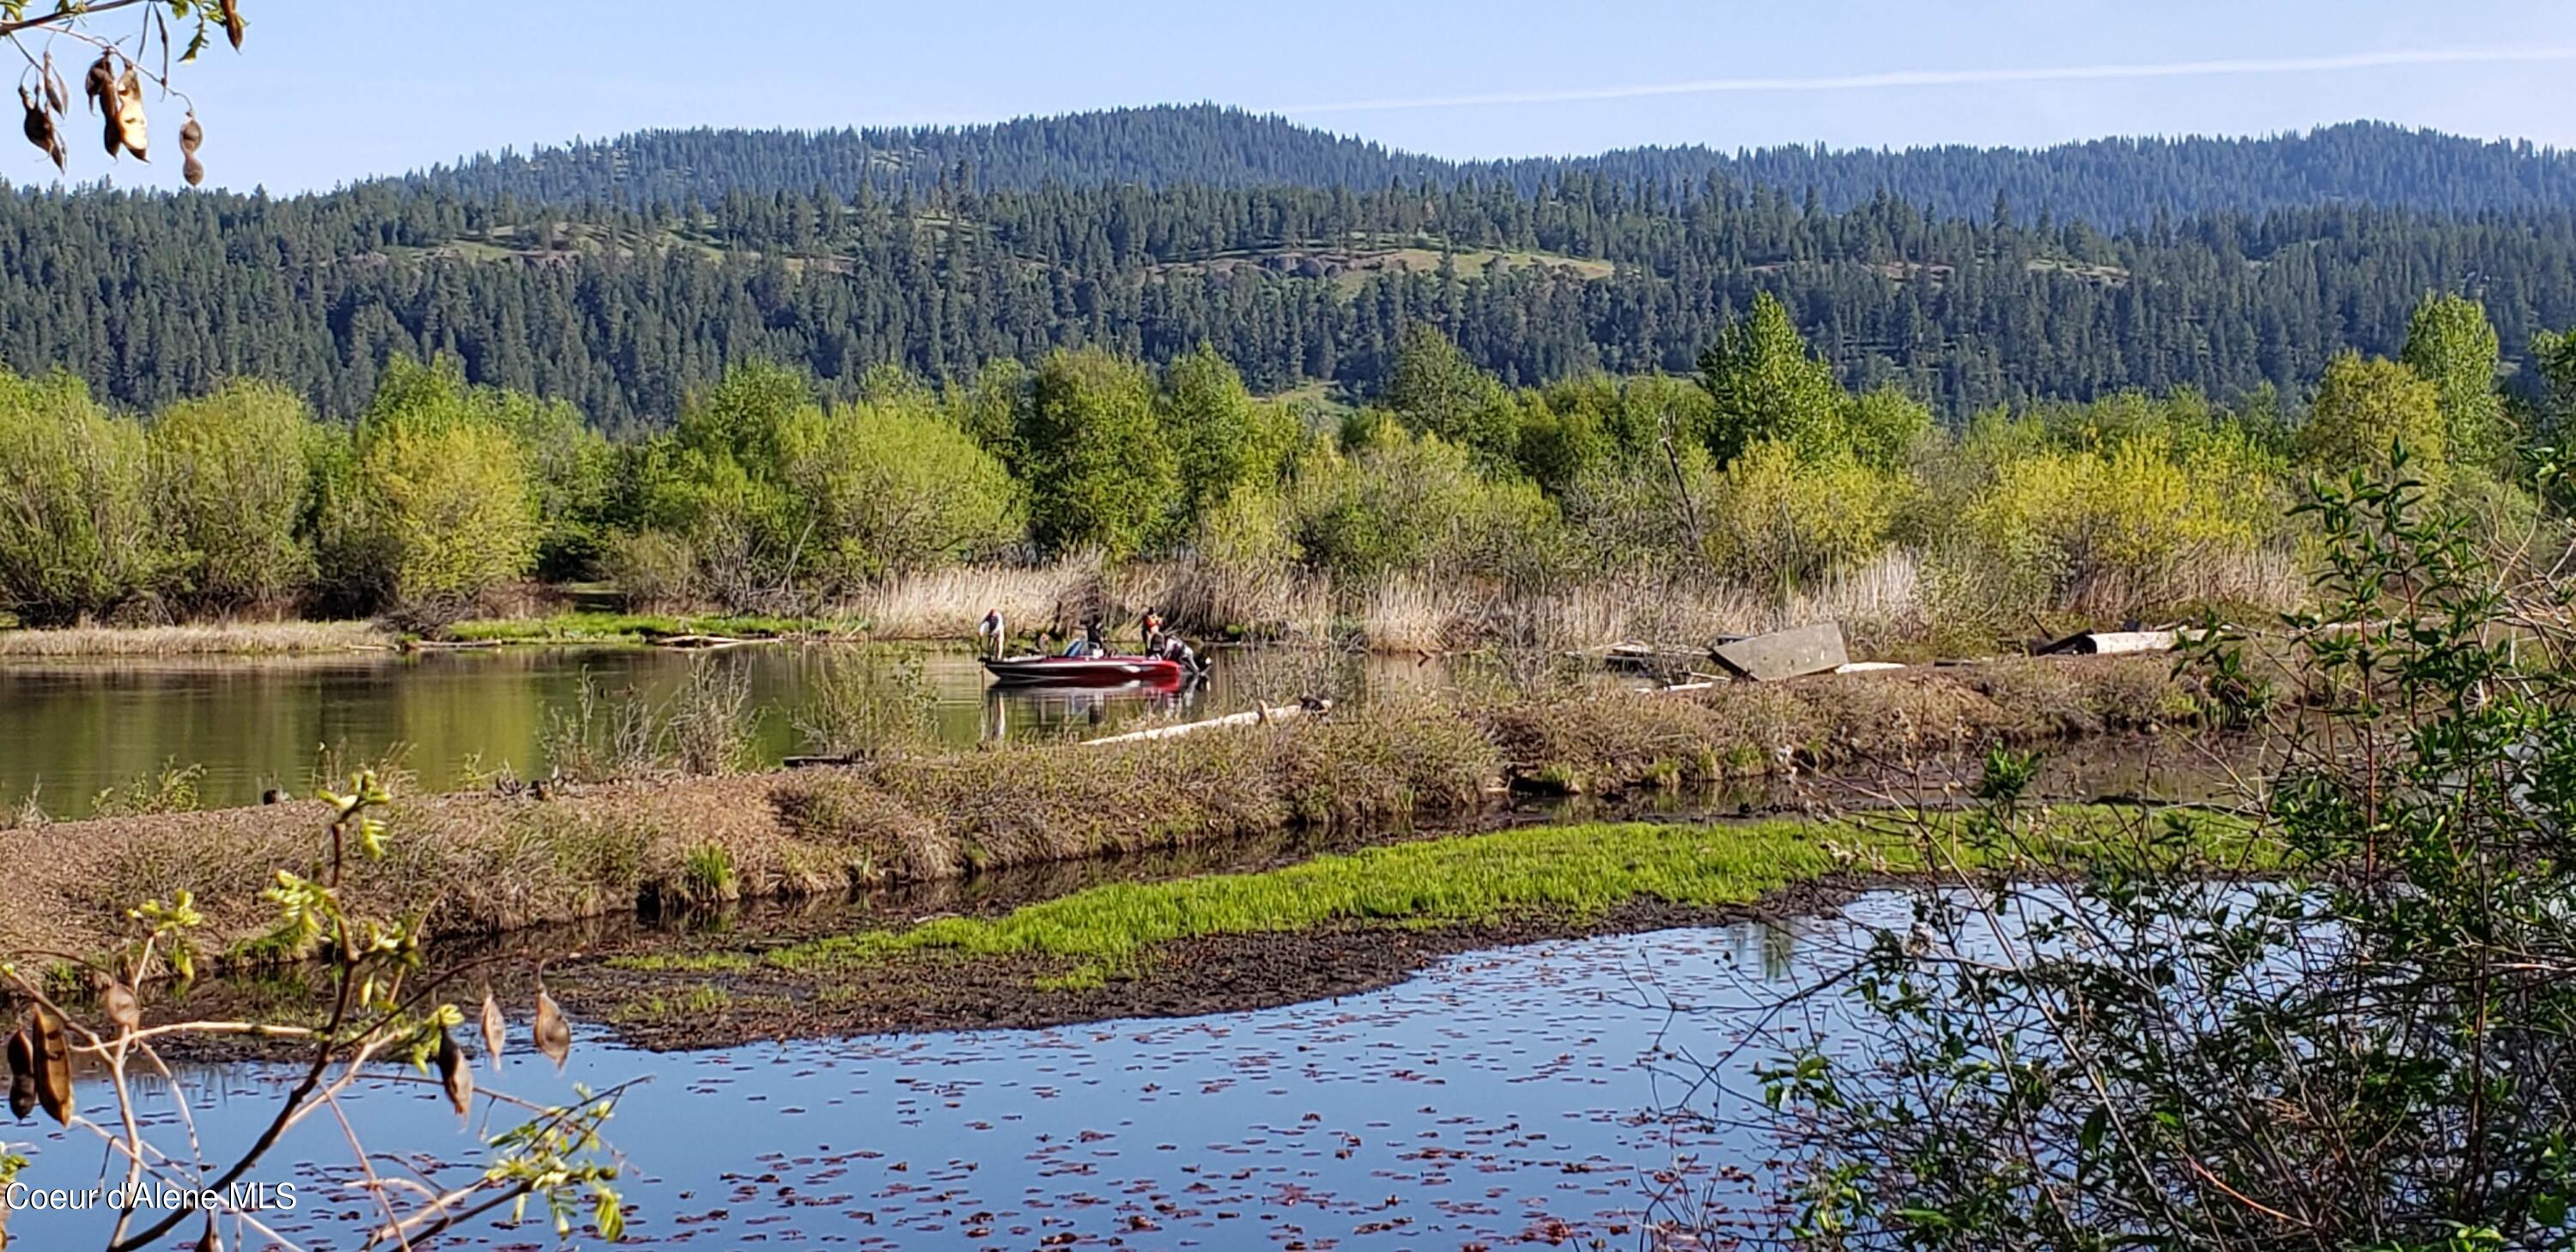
[
  {"x": 1576, "y": 872},
  {"x": 589, "y": 627}
]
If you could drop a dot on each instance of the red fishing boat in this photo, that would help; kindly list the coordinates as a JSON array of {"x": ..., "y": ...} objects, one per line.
[{"x": 1088, "y": 671}]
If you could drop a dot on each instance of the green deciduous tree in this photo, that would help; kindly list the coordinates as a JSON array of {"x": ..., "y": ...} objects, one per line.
[
  {"x": 1222, "y": 437},
  {"x": 436, "y": 504},
  {"x": 1881, "y": 425},
  {"x": 76, "y": 530},
  {"x": 2362, "y": 406},
  {"x": 2450, "y": 344},
  {"x": 1102, "y": 472},
  {"x": 1779, "y": 521},
  {"x": 894, "y": 487},
  {"x": 232, "y": 487},
  {"x": 1435, "y": 389},
  {"x": 1397, "y": 501}
]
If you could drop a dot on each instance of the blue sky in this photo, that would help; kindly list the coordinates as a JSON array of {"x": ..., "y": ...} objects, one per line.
[{"x": 333, "y": 90}]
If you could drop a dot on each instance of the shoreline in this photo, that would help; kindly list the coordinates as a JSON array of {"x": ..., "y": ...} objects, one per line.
[
  {"x": 979, "y": 970},
  {"x": 482, "y": 863}
]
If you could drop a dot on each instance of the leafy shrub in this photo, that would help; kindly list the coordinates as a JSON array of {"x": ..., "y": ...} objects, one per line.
[
  {"x": 434, "y": 505},
  {"x": 891, "y": 487},
  {"x": 1778, "y": 522},
  {"x": 231, "y": 489},
  {"x": 76, "y": 531},
  {"x": 654, "y": 568},
  {"x": 1398, "y": 501},
  {"x": 2365, "y": 405},
  {"x": 1101, "y": 471}
]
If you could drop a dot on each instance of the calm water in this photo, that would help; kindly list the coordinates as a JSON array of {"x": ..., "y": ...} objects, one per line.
[
  {"x": 1501, "y": 1096},
  {"x": 74, "y": 728}
]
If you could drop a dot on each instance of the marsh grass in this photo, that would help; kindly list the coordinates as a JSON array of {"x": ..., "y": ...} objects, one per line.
[
  {"x": 1577, "y": 873},
  {"x": 198, "y": 639},
  {"x": 947, "y": 603},
  {"x": 868, "y": 703},
  {"x": 706, "y": 727},
  {"x": 588, "y": 627}
]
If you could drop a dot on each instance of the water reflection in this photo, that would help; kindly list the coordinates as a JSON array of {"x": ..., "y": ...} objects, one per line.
[
  {"x": 1503, "y": 1096},
  {"x": 74, "y": 728}
]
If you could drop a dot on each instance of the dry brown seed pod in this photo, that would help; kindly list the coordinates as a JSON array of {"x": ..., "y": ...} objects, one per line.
[
  {"x": 99, "y": 85},
  {"x": 123, "y": 1009},
  {"x": 193, "y": 170},
  {"x": 552, "y": 1034},
  {"x": 22, "y": 1072},
  {"x": 191, "y": 135},
  {"x": 129, "y": 108},
  {"x": 455, "y": 1075},
  {"x": 495, "y": 1030},
  {"x": 53, "y": 1067},
  {"x": 55, "y": 93},
  {"x": 210, "y": 1241},
  {"x": 233, "y": 23},
  {"x": 39, "y": 128}
]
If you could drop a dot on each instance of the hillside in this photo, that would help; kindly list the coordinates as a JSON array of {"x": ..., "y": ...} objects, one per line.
[
  {"x": 2108, "y": 182},
  {"x": 624, "y": 311}
]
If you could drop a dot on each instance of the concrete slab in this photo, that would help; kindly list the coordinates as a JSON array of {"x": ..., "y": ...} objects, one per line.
[{"x": 1815, "y": 649}]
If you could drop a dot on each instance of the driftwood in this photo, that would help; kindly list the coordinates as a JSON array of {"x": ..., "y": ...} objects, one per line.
[
  {"x": 2117, "y": 642},
  {"x": 706, "y": 643},
  {"x": 1868, "y": 667},
  {"x": 1257, "y": 717},
  {"x": 817, "y": 762},
  {"x": 446, "y": 645}
]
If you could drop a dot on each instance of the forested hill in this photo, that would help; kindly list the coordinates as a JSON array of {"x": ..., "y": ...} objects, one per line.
[
  {"x": 623, "y": 311},
  {"x": 2108, "y": 182}
]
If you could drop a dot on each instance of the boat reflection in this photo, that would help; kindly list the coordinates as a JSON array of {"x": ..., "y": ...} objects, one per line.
[{"x": 1055, "y": 711}]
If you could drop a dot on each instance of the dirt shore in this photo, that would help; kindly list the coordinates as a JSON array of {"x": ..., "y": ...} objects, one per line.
[
  {"x": 480, "y": 863},
  {"x": 1186, "y": 978}
]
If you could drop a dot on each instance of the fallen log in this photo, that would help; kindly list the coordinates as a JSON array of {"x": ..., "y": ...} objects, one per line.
[
  {"x": 706, "y": 643},
  {"x": 447, "y": 645},
  {"x": 1264, "y": 715},
  {"x": 2116, "y": 642}
]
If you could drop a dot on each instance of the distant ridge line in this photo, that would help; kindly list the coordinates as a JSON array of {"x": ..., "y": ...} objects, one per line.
[{"x": 2113, "y": 182}]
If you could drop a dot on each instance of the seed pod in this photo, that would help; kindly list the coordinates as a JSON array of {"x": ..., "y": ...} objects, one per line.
[
  {"x": 123, "y": 1009},
  {"x": 233, "y": 23},
  {"x": 552, "y": 1034},
  {"x": 193, "y": 170},
  {"x": 455, "y": 1075},
  {"x": 53, "y": 1067},
  {"x": 22, "y": 1072},
  {"x": 191, "y": 135},
  {"x": 210, "y": 1241},
  {"x": 99, "y": 85},
  {"x": 129, "y": 109},
  {"x": 39, "y": 128},
  {"x": 55, "y": 94},
  {"x": 494, "y": 1030}
]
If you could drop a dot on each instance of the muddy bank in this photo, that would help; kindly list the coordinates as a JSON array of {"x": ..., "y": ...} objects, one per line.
[
  {"x": 1199, "y": 976},
  {"x": 481, "y": 863}
]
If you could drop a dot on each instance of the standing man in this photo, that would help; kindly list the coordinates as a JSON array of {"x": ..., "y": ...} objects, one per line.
[{"x": 991, "y": 628}]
